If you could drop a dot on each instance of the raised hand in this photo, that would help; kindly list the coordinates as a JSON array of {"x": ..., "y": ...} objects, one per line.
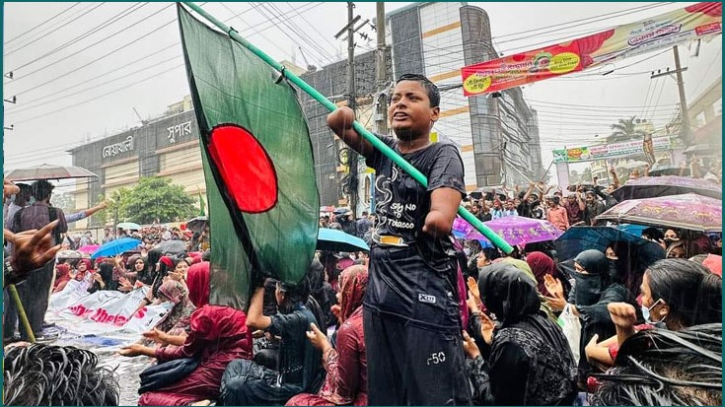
[
  {"x": 470, "y": 347},
  {"x": 317, "y": 338},
  {"x": 32, "y": 249}
]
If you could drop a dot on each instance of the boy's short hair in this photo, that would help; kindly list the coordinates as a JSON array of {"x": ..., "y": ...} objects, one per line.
[
  {"x": 57, "y": 375},
  {"x": 434, "y": 94}
]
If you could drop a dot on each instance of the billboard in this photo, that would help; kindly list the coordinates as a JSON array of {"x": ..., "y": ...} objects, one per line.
[
  {"x": 616, "y": 150},
  {"x": 699, "y": 21}
]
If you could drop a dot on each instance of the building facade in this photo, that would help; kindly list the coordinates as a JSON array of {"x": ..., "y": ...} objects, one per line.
[
  {"x": 167, "y": 146},
  {"x": 498, "y": 137}
]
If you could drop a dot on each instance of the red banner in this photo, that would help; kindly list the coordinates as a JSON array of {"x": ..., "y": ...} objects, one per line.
[{"x": 702, "y": 20}]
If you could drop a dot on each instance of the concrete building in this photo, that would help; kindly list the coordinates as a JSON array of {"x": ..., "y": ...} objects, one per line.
[
  {"x": 498, "y": 136},
  {"x": 167, "y": 146}
]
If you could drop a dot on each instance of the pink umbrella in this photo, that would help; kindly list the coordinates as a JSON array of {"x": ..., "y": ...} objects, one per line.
[
  {"x": 89, "y": 249},
  {"x": 516, "y": 230}
]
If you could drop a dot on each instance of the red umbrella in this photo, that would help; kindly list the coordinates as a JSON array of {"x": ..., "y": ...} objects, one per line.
[{"x": 47, "y": 171}]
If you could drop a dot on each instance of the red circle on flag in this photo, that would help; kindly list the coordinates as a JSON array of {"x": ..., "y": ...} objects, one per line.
[{"x": 245, "y": 167}]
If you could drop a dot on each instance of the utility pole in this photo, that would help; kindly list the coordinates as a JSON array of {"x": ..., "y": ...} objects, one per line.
[
  {"x": 381, "y": 116},
  {"x": 683, "y": 99},
  {"x": 352, "y": 104},
  {"x": 685, "y": 134}
]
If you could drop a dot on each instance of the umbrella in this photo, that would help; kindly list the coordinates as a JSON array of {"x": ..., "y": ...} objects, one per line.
[
  {"x": 116, "y": 247},
  {"x": 341, "y": 211},
  {"x": 634, "y": 254},
  {"x": 68, "y": 254},
  {"x": 47, "y": 171},
  {"x": 197, "y": 224},
  {"x": 129, "y": 226},
  {"x": 688, "y": 211},
  {"x": 516, "y": 230},
  {"x": 580, "y": 238},
  {"x": 89, "y": 249},
  {"x": 660, "y": 171},
  {"x": 172, "y": 247},
  {"x": 339, "y": 241},
  {"x": 651, "y": 187}
]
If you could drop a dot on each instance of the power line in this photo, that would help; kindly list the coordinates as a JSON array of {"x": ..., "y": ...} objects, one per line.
[
  {"x": 41, "y": 24},
  {"x": 43, "y": 35},
  {"x": 96, "y": 43},
  {"x": 84, "y": 35}
]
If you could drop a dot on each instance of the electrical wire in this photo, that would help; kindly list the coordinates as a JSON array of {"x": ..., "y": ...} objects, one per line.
[{"x": 8, "y": 42}]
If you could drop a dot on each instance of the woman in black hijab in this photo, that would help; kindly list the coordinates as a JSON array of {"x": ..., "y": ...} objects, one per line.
[
  {"x": 594, "y": 288},
  {"x": 530, "y": 362}
]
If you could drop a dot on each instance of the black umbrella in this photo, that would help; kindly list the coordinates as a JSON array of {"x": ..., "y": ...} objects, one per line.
[
  {"x": 172, "y": 247},
  {"x": 197, "y": 224},
  {"x": 653, "y": 187}
]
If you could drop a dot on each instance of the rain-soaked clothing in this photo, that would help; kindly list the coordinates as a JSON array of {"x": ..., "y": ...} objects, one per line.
[
  {"x": 246, "y": 383},
  {"x": 530, "y": 362},
  {"x": 217, "y": 336},
  {"x": 411, "y": 311}
]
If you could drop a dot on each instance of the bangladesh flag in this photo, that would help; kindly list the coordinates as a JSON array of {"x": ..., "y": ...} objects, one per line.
[{"x": 258, "y": 165}]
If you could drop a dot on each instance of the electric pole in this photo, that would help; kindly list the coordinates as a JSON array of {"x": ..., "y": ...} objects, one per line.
[
  {"x": 685, "y": 133},
  {"x": 381, "y": 118},
  {"x": 683, "y": 99},
  {"x": 352, "y": 104}
]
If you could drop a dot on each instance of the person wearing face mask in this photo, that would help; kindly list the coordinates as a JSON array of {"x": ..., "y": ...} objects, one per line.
[
  {"x": 593, "y": 290},
  {"x": 676, "y": 294},
  {"x": 671, "y": 235}
]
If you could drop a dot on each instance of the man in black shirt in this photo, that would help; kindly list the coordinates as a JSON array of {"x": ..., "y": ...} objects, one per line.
[{"x": 411, "y": 316}]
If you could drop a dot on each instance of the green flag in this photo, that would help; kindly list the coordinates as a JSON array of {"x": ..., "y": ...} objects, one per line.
[{"x": 258, "y": 165}]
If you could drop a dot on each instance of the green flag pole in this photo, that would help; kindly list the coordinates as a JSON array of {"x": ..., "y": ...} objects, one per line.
[
  {"x": 21, "y": 312},
  {"x": 377, "y": 143}
]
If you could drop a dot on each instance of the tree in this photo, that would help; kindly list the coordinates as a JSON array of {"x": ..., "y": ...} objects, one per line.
[
  {"x": 153, "y": 199},
  {"x": 624, "y": 130}
]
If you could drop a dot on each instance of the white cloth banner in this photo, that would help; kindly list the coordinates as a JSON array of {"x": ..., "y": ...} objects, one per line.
[{"x": 106, "y": 311}]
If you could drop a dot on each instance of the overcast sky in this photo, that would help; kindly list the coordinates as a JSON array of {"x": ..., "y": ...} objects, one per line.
[{"x": 126, "y": 56}]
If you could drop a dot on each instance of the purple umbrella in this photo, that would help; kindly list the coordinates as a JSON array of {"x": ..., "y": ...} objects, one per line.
[
  {"x": 652, "y": 187},
  {"x": 688, "y": 211},
  {"x": 516, "y": 230}
]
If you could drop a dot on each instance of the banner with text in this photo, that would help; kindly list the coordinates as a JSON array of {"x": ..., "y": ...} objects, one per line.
[
  {"x": 699, "y": 21},
  {"x": 616, "y": 150}
]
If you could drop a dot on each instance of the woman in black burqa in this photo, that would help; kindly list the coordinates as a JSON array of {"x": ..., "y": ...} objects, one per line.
[
  {"x": 530, "y": 362},
  {"x": 594, "y": 289}
]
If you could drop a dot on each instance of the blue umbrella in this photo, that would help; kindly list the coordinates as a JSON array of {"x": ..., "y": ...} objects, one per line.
[
  {"x": 339, "y": 241},
  {"x": 116, "y": 247}
]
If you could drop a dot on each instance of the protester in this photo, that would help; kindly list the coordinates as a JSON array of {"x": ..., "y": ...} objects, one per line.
[
  {"x": 35, "y": 217},
  {"x": 246, "y": 383},
  {"x": 530, "y": 362},
  {"x": 41, "y": 375},
  {"x": 557, "y": 215},
  {"x": 411, "y": 272},
  {"x": 177, "y": 321},
  {"x": 676, "y": 294},
  {"x": 541, "y": 266},
  {"x": 660, "y": 367},
  {"x": 677, "y": 250},
  {"x": 575, "y": 207},
  {"x": 593, "y": 208},
  {"x": 62, "y": 273},
  {"x": 592, "y": 292},
  {"x": 103, "y": 279},
  {"x": 346, "y": 364},
  {"x": 217, "y": 335}
]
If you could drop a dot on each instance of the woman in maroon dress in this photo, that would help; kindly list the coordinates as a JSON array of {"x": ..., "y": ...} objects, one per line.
[
  {"x": 346, "y": 366},
  {"x": 217, "y": 335}
]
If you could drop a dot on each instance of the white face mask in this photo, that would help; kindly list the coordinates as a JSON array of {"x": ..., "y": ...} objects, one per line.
[{"x": 646, "y": 314}]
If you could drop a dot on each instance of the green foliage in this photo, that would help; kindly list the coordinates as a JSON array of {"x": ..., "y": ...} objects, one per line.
[
  {"x": 624, "y": 130},
  {"x": 152, "y": 199}
]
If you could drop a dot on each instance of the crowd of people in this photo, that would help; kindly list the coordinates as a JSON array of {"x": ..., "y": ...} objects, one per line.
[{"x": 422, "y": 319}]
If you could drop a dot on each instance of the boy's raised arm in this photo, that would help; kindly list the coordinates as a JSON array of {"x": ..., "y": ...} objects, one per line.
[{"x": 340, "y": 121}]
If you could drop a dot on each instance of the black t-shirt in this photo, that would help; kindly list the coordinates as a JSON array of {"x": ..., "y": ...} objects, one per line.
[
  {"x": 299, "y": 361},
  {"x": 410, "y": 267}
]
